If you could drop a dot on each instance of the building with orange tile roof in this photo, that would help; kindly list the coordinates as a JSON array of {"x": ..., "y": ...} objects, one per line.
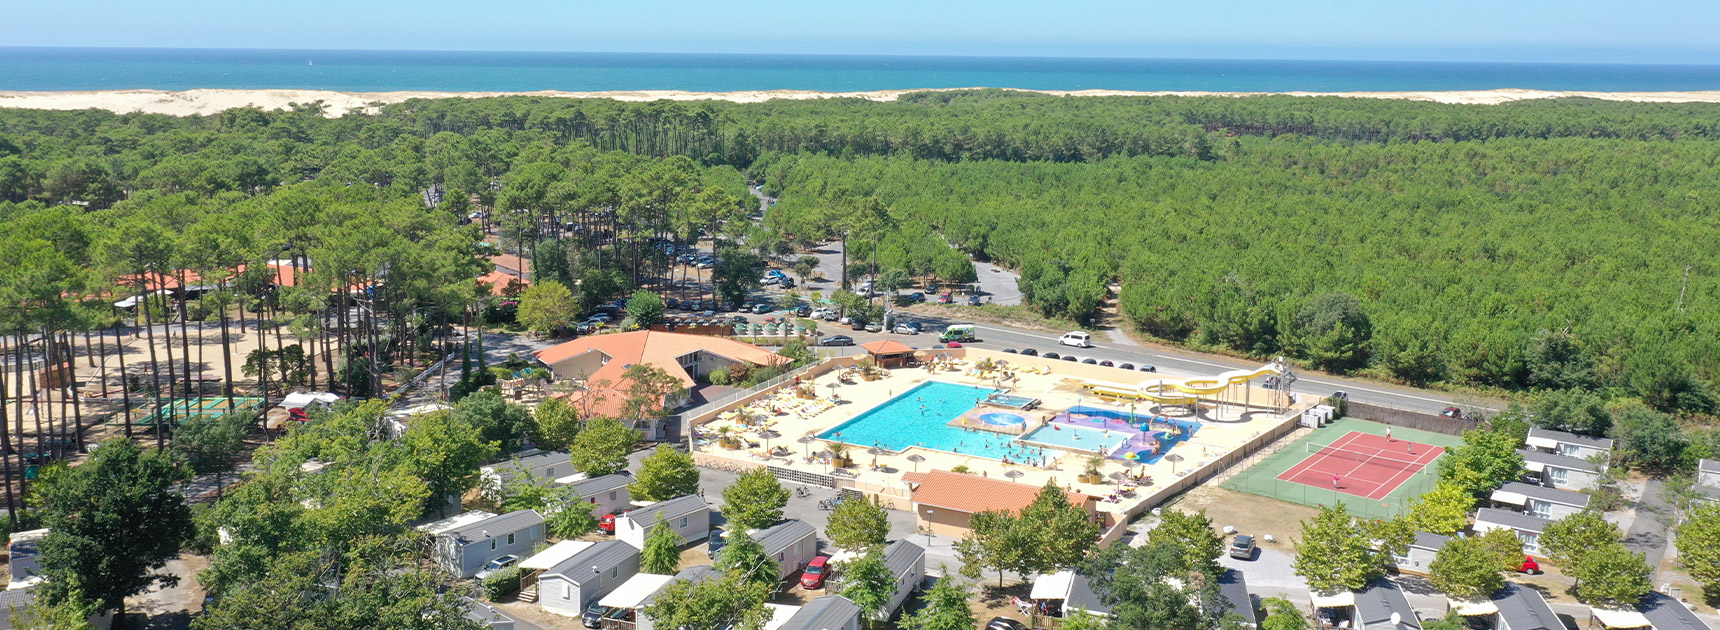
[
  {"x": 600, "y": 360},
  {"x": 512, "y": 265},
  {"x": 945, "y": 501},
  {"x": 501, "y": 284}
]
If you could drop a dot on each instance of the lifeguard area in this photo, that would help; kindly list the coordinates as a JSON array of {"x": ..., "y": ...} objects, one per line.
[{"x": 1102, "y": 432}]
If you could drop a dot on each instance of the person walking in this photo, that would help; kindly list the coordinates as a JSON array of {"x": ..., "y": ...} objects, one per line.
[
  {"x": 1388, "y": 434},
  {"x": 1334, "y": 482}
]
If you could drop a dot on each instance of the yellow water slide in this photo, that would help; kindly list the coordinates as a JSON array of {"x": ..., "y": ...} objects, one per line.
[{"x": 1186, "y": 391}]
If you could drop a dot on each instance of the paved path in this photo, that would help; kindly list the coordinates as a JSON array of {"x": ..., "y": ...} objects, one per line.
[{"x": 1654, "y": 517}]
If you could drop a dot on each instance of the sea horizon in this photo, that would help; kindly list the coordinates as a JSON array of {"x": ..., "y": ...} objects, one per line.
[{"x": 64, "y": 69}]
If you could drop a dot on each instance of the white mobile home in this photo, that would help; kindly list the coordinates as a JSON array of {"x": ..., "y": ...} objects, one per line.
[
  {"x": 464, "y": 543},
  {"x": 1560, "y": 471},
  {"x": 906, "y": 561},
  {"x": 604, "y": 494},
  {"x": 1568, "y": 444},
  {"x": 567, "y": 587},
  {"x": 791, "y": 543},
  {"x": 689, "y": 515},
  {"x": 1420, "y": 552},
  {"x": 831, "y": 612},
  {"x": 1523, "y": 608},
  {"x": 1528, "y": 528},
  {"x": 1540, "y": 501},
  {"x": 22, "y": 550},
  {"x": 541, "y": 466}
]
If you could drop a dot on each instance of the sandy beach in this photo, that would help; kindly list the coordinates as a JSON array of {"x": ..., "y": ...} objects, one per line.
[{"x": 204, "y": 102}]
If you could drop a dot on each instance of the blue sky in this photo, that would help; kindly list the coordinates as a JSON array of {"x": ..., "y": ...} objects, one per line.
[{"x": 1655, "y": 31}]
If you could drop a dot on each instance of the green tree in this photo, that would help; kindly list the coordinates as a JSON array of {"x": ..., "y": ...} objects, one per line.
[
  {"x": 1082, "y": 620},
  {"x": 743, "y": 556},
  {"x": 209, "y": 444},
  {"x": 736, "y": 274},
  {"x": 1466, "y": 569},
  {"x": 648, "y": 387},
  {"x": 497, "y": 421},
  {"x": 1335, "y": 553},
  {"x": 892, "y": 280},
  {"x": 1698, "y": 540},
  {"x": 73, "y": 613},
  {"x": 993, "y": 541},
  {"x": 1140, "y": 585},
  {"x": 858, "y": 526},
  {"x": 555, "y": 424},
  {"x": 805, "y": 267},
  {"x": 1281, "y": 614},
  {"x": 868, "y": 583},
  {"x": 1058, "y": 533},
  {"x": 602, "y": 447},
  {"x": 754, "y": 501},
  {"x": 546, "y": 306},
  {"x": 1193, "y": 534},
  {"x": 1332, "y": 332},
  {"x": 666, "y": 474},
  {"x": 946, "y": 607},
  {"x": 1486, "y": 460},
  {"x": 721, "y": 603},
  {"x": 1571, "y": 410},
  {"x": 662, "y": 552},
  {"x": 444, "y": 450},
  {"x": 1647, "y": 438},
  {"x": 1569, "y": 538},
  {"x": 1443, "y": 510},
  {"x": 645, "y": 308},
  {"x": 1612, "y": 576},
  {"x": 113, "y": 523}
]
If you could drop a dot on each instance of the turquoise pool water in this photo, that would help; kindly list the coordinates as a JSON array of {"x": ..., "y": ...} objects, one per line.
[
  {"x": 1074, "y": 438},
  {"x": 920, "y": 417}
]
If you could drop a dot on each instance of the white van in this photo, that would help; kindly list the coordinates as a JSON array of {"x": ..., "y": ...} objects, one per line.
[{"x": 1078, "y": 339}]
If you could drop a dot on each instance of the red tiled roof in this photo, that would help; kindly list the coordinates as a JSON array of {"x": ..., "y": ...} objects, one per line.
[
  {"x": 650, "y": 347},
  {"x": 510, "y": 262},
  {"x": 503, "y": 284},
  {"x": 971, "y": 494},
  {"x": 887, "y": 346}
]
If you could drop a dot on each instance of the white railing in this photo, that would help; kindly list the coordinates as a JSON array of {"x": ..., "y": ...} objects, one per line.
[
  {"x": 732, "y": 397},
  {"x": 427, "y": 373}
]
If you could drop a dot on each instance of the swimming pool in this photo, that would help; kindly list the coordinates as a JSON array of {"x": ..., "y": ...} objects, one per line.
[
  {"x": 1015, "y": 402},
  {"x": 1001, "y": 419},
  {"x": 920, "y": 417},
  {"x": 1079, "y": 439}
]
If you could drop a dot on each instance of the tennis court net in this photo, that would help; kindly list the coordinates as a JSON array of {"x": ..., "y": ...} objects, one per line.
[{"x": 1389, "y": 459}]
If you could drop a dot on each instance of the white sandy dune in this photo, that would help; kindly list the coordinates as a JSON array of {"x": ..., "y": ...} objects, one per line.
[{"x": 209, "y": 101}]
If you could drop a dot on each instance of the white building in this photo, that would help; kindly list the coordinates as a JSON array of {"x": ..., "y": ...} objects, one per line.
[
  {"x": 831, "y": 612},
  {"x": 1568, "y": 444},
  {"x": 1540, "y": 501},
  {"x": 465, "y": 543},
  {"x": 791, "y": 543},
  {"x": 1528, "y": 528},
  {"x": 604, "y": 494},
  {"x": 542, "y": 466},
  {"x": 593, "y": 572},
  {"x": 906, "y": 561},
  {"x": 1561, "y": 471},
  {"x": 690, "y": 516}
]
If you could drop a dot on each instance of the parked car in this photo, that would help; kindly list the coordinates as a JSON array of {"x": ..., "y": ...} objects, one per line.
[
  {"x": 945, "y": 298},
  {"x": 1530, "y": 566},
  {"x": 767, "y": 280},
  {"x": 738, "y": 319},
  {"x": 907, "y": 328},
  {"x": 1029, "y": 352},
  {"x": 803, "y": 310},
  {"x": 846, "y": 320},
  {"x": 1242, "y": 547},
  {"x": 761, "y": 308},
  {"x": 1004, "y": 623},
  {"x": 1148, "y": 368},
  {"x": 1076, "y": 339},
  {"x": 813, "y": 576},
  {"x": 1107, "y": 363},
  {"x": 1090, "y": 361},
  {"x": 837, "y": 340},
  {"x": 830, "y": 316},
  {"x": 1011, "y": 351},
  {"x": 496, "y": 565},
  {"x": 874, "y": 327},
  {"x": 1452, "y": 412},
  {"x": 1068, "y": 357},
  {"x": 914, "y": 298},
  {"x": 1125, "y": 366},
  {"x": 607, "y": 523},
  {"x": 785, "y": 282},
  {"x": 1050, "y": 355},
  {"x": 857, "y": 324},
  {"x": 973, "y": 299},
  {"x": 599, "y": 318},
  {"x": 593, "y": 617}
]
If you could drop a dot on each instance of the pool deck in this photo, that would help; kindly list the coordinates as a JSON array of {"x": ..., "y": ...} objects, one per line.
[{"x": 1224, "y": 428}]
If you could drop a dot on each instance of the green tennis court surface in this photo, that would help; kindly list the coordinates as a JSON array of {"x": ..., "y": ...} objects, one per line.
[
  {"x": 177, "y": 410},
  {"x": 1263, "y": 478}
]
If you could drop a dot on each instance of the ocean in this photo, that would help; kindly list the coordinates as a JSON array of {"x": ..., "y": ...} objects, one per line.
[{"x": 69, "y": 69}]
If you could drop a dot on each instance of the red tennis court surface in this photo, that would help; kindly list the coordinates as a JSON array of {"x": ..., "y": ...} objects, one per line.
[{"x": 1365, "y": 465}]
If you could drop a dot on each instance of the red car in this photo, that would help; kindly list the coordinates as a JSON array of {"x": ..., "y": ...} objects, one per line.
[
  {"x": 813, "y": 576},
  {"x": 607, "y": 523},
  {"x": 1530, "y": 566}
]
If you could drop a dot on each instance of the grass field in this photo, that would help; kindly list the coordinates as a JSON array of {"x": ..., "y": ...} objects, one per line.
[{"x": 1262, "y": 478}]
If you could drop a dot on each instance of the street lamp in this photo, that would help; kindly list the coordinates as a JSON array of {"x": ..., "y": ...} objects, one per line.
[{"x": 928, "y": 528}]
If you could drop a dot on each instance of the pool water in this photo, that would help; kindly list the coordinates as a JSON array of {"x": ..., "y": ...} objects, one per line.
[
  {"x": 1002, "y": 419},
  {"x": 920, "y": 417},
  {"x": 1073, "y": 438}
]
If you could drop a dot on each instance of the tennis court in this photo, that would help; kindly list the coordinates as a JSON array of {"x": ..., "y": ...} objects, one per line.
[
  {"x": 1369, "y": 466},
  {"x": 1377, "y": 478},
  {"x": 177, "y": 410}
]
